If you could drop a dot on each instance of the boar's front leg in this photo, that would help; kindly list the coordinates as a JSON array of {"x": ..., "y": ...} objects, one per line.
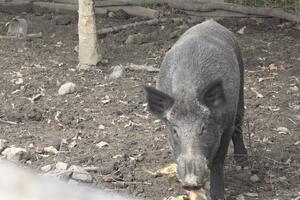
[{"x": 217, "y": 167}]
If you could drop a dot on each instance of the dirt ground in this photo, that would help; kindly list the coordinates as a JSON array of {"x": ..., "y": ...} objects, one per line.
[{"x": 114, "y": 111}]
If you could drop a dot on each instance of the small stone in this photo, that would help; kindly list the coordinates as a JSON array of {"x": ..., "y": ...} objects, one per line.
[
  {"x": 31, "y": 146},
  {"x": 250, "y": 194},
  {"x": 283, "y": 131},
  {"x": 101, "y": 127},
  {"x": 76, "y": 48},
  {"x": 67, "y": 88},
  {"x": 102, "y": 144},
  {"x": 34, "y": 114},
  {"x": 14, "y": 154},
  {"x": 136, "y": 39},
  {"x": 238, "y": 168},
  {"x": 294, "y": 88},
  {"x": 61, "y": 166},
  {"x": 240, "y": 197},
  {"x": 80, "y": 174},
  {"x": 83, "y": 67},
  {"x": 108, "y": 168},
  {"x": 117, "y": 156},
  {"x": 46, "y": 168},
  {"x": 254, "y": 178},
  {"x": 19, "y": 81},
  {"x": 51, "y": 150},
  {"x": 111, "y": 14},
  {"x": 117, "y": 72},
  {"x": 3, "y": 144}
]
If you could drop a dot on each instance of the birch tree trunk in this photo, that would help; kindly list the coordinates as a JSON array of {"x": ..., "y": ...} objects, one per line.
[{"x": 87, "y": 32}]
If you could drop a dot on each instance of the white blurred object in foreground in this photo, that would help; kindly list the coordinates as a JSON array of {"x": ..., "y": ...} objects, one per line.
[{"x": 20, "y": 184}]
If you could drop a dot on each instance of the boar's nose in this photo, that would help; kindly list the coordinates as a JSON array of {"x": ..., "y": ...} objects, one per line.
[{"x": 192, "y": 172}]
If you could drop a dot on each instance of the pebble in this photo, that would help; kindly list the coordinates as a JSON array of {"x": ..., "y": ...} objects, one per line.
[
  {"x": 102, "y": 144},
  {"x": 3, "y": 144},
  {"x": 19, "y": 81},
  {"x": 67, "y": 88},
  {"x": 254, "y": 178},
  {"x": 80, "y": 174},
  {"x": 101, "y": 127},
  {"x": 240, "y": 197},
  {"x": 83, "y": 67},
  {"x": 250, "y": 194},
  {"x": 46, "y": 168},
  {"x": 61, "y": 166},
  {"x": 14, "y": 154},
  {"x": 136, "y": 39},
  {"x": 51, "y": 150},
  {"x": 117, "y": 72}
]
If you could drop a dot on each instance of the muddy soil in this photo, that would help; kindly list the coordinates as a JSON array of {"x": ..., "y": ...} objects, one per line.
[{"x": 114, "y": 111}]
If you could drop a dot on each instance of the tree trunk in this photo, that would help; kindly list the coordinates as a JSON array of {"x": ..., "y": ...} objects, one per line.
[{"x": 87, "y": 32}]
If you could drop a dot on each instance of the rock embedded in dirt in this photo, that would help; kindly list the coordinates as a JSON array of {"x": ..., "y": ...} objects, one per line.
[
  {"x": 138, "y": 38},
  {"x": 240, "y": 197},
  {"x": 102, "y": 144},
  {"x": 80, "y": 174},
  {"x": 254, "y": 178},
  {"x": 251, "y": 194},
  {"x": 61, "y": 166},
  {"x": 15, "y": 116},
  {"x": 14, "y": 154},
  {"x": 3, "y": 144},
  {"x": 117, "y": 72},
  {"x": 46, "y": 168},
  {"x": 62, "y": 20},
  {"x": 108, "y": 168},
  {"x": 51, "y": 150},
  {"x": 35, "y": 114},
  {"x": 67, "y": 88}
]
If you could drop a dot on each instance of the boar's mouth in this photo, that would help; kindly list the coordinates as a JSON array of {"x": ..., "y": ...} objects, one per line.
[{"x": 192, "y": 188}]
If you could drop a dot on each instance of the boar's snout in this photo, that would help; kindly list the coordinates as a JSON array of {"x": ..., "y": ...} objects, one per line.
[{"x": 192, "y": 171}]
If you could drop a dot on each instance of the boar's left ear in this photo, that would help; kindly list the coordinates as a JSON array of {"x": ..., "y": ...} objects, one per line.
[{"x": 158, "y": 102}]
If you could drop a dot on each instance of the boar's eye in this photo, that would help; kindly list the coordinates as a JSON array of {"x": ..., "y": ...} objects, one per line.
[
  {"x": 174, "y": 130},
  {"x": 214, "y": 96}
]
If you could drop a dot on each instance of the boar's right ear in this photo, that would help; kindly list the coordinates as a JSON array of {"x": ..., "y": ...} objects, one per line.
[{"x": 158, "y": 102}]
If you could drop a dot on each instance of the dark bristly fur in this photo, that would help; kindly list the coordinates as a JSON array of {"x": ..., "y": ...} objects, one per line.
[{"x": 199, "y": 95}]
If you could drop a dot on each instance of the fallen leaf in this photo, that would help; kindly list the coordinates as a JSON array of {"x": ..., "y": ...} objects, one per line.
[
  {"x": 181, "y": 197},
  {"x": 242, "y": 30},
  {"x": 169, "y": 170}
]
